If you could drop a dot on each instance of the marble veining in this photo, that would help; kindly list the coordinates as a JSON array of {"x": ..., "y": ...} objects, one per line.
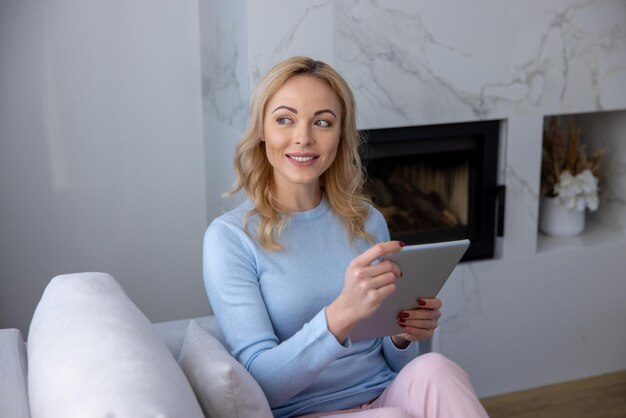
[
  {"x": 382, "y": 53},
  {"x": 224, "y": 91},
  {"x": 466, "y": 304},
  {"x": 413, "y": 63},
  {"x": 403, "y": 73},
  {"x": 283, "y": 39},
  {"x": 287, "y": 40},
  {"x": 520, "y": 186}
]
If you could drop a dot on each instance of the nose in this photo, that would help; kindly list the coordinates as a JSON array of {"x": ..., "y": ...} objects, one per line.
[{"x": 303, "y": 135}]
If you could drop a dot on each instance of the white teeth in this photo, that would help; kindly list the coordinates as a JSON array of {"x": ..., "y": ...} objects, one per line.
[{"x": 301, "y": 159}]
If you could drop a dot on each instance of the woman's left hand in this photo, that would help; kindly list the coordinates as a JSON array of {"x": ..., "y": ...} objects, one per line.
[{"x": 419, "y": 323}]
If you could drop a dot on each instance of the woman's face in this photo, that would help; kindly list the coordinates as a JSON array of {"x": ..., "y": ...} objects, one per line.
[{"x": 301, "y": 126}]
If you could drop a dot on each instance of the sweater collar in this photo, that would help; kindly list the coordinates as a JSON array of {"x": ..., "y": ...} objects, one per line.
[{"x": 316, "y": 212}]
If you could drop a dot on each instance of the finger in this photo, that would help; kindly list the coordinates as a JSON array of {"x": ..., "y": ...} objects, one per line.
[
  {"x": 377, "y": 251},
  {"x": 383, "y": 267},
  {"x": 429, "y": 303},
  {"x": 424, "y": 324},
  {"x": 384, "y": 291},
  {"x": 420, "y": 314},
  {"x": 416, "y": 334},
  {"x": 374, "y": 297},
  {"x": 382, "y": 280}
]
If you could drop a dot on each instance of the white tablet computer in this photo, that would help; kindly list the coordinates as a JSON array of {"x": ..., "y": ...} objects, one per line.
[{"x": 425, "y": 269}]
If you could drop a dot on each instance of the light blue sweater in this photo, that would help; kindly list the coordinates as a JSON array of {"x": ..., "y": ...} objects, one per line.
[{"x": 271, "y": 309}]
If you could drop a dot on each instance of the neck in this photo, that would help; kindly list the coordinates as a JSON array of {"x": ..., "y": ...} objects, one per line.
[{"x": 301, "y": 199}]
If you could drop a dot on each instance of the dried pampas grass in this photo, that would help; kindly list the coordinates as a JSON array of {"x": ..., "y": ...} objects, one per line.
[{"x": 563, "y": 151}]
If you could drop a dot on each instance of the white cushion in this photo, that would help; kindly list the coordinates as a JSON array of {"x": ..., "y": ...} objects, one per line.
[
  {"x": 223, "y": 386},
  {"x": 92, "y": 353}
]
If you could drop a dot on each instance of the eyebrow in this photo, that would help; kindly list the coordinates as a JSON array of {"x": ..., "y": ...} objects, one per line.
[
  {"x": 319, "y": 112},
  {"x": 291, "y": 109}
]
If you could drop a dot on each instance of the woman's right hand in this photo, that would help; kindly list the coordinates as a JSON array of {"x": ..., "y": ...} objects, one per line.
[{"x": 365, "y": 287}]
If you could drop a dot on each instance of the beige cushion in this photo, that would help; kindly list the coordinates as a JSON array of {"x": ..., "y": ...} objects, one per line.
[
  {"x": 92, "y": 353},
  {"x": 223, "y": 386}
]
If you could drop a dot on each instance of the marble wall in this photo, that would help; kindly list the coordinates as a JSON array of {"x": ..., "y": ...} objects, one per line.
[
  {"x": 413, "y": 63},
  {"x": 431, "y": 62},
  {"x": 506, "y": 320}
]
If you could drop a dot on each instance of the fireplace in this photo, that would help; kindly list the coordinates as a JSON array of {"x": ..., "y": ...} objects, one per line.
[{"x": 438, "y": 183}]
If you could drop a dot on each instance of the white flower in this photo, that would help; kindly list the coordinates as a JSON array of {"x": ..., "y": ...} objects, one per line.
[
  {"x": 577, "y": 192},
  {"x": 588, "y": 182},
  {"x": 592, "y": 202}
]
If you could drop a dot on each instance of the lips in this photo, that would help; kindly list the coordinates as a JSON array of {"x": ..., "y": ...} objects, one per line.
[{"x": 302, "y": 159}]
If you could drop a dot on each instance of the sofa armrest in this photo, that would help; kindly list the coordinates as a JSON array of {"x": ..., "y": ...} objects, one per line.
[{"x": 13, "y": 375}]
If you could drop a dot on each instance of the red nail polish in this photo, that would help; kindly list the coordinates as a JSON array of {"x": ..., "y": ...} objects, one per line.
[
  {"x": 401, "y": 320},
  {"x": 402, "y": 244},
  {"x": 421, "y": 302},
  {"x": 404, "y": 315},
  {"x": 401, "y": 274}
]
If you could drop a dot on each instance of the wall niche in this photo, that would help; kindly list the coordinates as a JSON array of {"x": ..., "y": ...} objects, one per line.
[{"x": 604, "y": 131}]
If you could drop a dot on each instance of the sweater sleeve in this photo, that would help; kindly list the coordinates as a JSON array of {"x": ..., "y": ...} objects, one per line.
[
  {"x": 396, "y": 358},
  {"x": 282, "y": 369}
]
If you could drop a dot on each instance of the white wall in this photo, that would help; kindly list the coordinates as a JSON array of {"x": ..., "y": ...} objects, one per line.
[{"x": 101, "y": 151}]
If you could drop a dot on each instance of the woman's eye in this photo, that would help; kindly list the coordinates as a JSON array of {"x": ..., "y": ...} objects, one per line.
[
  {"x": 323, "y": 123},
  {"x": 283, "y": 120}
]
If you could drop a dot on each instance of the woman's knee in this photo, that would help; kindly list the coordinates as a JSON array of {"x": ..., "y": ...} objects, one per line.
[{"x": 434, "y": 365}]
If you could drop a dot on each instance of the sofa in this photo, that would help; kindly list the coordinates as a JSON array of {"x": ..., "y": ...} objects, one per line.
[{"x": 92, "y": 353}]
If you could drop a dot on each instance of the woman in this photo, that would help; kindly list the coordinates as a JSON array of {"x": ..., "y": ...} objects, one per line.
[{"x": 291, "y": 270}]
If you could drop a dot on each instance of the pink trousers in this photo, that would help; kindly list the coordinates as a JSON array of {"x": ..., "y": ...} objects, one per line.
[{"x": 429, "y": 386}]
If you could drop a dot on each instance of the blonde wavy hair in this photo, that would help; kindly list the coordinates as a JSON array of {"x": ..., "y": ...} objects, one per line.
[{"x": 342, "y": 182}]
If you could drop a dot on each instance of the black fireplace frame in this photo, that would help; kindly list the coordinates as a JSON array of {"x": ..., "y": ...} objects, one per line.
[{"x": 486, "y": 205}]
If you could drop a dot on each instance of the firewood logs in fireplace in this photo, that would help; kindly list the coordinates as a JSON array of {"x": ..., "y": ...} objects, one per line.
[
  {"x": 380, "y": 192},
  {"x": 406, "y": 207}
]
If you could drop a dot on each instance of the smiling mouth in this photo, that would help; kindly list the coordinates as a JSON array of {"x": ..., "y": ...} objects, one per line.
[{"x": 301, "y": 159}]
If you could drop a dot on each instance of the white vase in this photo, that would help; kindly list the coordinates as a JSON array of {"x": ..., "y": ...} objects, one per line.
[{"x": 558, "y": 221}]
